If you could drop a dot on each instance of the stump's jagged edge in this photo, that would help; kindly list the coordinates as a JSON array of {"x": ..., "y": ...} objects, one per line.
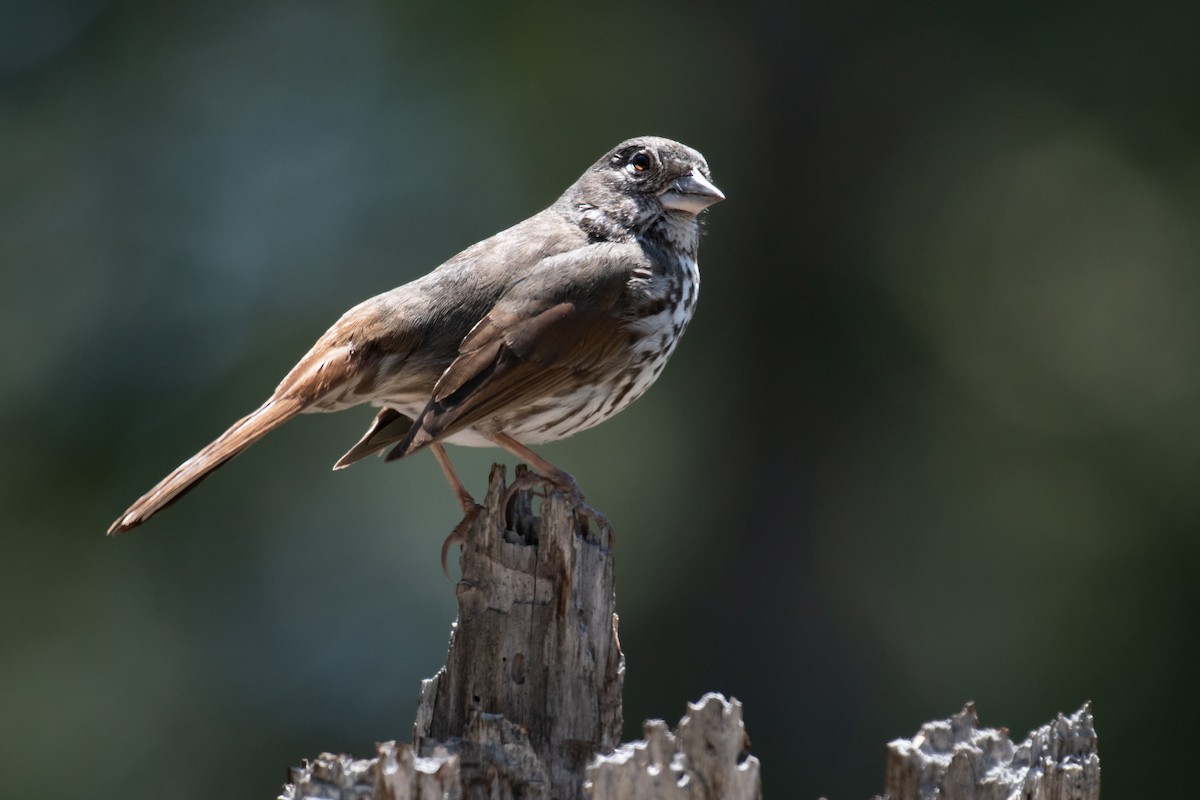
[
  {"x": 395, "y": 772},
  {"x": 707, "y": 757},
  {"x": 954, "y": 759}
]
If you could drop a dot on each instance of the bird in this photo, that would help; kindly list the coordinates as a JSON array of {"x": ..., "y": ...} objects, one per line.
[{"x": 541, "y": 331}]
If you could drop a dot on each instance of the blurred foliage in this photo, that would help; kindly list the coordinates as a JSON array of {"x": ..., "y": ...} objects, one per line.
[{"x": 931, "y": 438}]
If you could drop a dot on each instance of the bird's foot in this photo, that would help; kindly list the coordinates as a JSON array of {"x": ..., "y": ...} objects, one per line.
[
  {"x": 459, "y": 534},
  {"x": 528, "y": 480}
]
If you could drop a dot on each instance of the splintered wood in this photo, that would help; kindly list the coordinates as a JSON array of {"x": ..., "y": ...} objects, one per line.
[
  {"x": 705, "y": 758},
  {"x": 955, "y": 759}
]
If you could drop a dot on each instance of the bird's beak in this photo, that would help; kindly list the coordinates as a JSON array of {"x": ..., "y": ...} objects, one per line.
[{"x": 692, "y": 193}]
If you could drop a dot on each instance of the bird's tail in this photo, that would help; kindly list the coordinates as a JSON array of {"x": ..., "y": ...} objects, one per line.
[{"x": 243, "y": 433}]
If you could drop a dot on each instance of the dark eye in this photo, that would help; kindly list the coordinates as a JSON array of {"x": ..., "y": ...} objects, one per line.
[{"x": 639, "y": 163}]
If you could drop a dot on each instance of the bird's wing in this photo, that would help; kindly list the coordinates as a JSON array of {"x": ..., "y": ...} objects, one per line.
[{"x": 560, "y": 323}]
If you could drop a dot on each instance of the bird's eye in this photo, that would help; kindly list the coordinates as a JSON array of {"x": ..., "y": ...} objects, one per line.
[{"x": 639, "y": 163}]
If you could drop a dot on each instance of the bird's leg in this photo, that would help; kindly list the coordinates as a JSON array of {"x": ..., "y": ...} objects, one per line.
[
  {"x": 470, "y": 508},
  {"x": 546, "y": 473}
]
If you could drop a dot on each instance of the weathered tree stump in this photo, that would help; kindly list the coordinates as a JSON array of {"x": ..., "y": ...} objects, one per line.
[
  {"x": 536, "y": 639},
  {"x": 955, "y": 759},
  {"x": 529, "y": 703},
  {"x": 531, "y": 691}
]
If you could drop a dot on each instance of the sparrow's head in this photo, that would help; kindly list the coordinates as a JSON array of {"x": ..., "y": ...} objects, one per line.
[{"x": 644, "y": 179}]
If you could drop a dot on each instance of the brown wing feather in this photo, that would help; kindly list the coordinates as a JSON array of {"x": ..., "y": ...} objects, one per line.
[
  {"x": 389, "y": 427},
  {"x": 557, "y": 323},
  {"x": 513, "y": 361}
]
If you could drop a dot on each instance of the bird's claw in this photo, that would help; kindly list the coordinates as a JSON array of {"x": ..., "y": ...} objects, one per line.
[
  {"x": 526, "y": 481},
  {"x": 530, "y": 481},
  {"x": 459, "y": 534},
  {"x": 586, "y": 512}
]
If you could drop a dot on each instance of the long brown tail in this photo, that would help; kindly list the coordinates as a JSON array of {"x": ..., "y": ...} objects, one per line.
[{"x": 243, "y": 433}]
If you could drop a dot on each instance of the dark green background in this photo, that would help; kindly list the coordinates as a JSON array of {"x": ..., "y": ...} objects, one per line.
[{"x": 931, "y": 438}]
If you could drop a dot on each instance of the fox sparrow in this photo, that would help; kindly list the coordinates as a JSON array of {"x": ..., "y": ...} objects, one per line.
[{"x": 541, "y": 331}]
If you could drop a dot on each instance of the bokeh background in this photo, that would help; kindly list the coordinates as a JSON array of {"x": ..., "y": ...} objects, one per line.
[{"x": 932, "y": 436}]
